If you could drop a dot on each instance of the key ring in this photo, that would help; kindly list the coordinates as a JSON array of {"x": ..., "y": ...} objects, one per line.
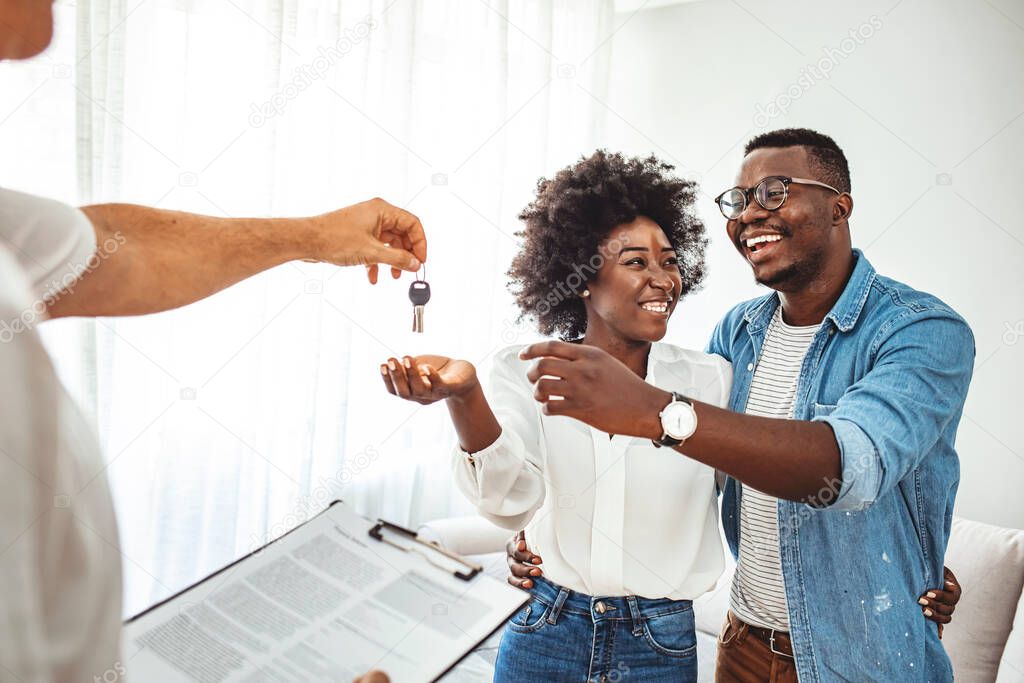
[{"x": 423, "y": 267}]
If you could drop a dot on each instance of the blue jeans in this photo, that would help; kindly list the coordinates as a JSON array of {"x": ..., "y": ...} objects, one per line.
[{"x": 561, "y": 635}]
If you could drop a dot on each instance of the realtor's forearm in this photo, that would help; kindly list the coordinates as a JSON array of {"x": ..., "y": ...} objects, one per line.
[
  {"x": 474, "y": 420},
  {"x": 791, "y": 459},
  {"x": 166, "y": 259}
]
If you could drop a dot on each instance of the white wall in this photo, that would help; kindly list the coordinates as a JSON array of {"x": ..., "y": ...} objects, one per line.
[{"x": 930, "y": 112}]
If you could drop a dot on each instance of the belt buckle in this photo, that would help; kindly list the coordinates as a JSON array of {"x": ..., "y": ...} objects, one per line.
[{"x": 771, "y": 645}]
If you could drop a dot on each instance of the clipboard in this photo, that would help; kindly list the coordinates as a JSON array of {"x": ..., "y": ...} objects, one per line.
[
  {"x": 377, "y": 532},
  {"x": 499, "y": 600},
  {"x": 382, "y": 528}
]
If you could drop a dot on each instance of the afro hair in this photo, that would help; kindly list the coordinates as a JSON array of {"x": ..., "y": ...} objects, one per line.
[{"x": 575, "y": 211}]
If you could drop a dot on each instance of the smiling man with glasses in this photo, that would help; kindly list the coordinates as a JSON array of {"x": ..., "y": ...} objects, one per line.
[{"x": 839, "y": 438}]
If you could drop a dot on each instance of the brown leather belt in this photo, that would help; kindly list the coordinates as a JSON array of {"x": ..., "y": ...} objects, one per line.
[{"x": 777, "y": 641}]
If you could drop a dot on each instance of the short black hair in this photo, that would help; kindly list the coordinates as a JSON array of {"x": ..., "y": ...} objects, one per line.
[
  {"x": 575, "y": 211},
  {"x": 826, "y": 158}
]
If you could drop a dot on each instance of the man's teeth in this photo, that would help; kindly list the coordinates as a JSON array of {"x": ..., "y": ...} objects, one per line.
[
  {"x": 754, "y": 241},
  {"x": 655, "y": 307}
]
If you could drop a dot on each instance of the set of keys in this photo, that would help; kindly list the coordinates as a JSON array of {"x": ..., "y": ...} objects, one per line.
[{"x": 419, "y": 295}]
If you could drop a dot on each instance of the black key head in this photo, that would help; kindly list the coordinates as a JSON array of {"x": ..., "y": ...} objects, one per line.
[{"x": 419, "y": 293}]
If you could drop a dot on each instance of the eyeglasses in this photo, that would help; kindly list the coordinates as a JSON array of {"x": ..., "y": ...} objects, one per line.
[{"x": 770, "y": 194}]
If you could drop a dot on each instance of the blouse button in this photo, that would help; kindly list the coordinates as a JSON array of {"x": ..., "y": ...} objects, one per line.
[{"x": 750, "y": 367}]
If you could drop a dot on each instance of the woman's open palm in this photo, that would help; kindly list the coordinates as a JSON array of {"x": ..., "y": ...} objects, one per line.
[{"x": 428, "y": 378}]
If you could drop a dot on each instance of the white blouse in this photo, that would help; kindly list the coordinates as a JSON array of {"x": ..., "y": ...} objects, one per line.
[{"x": 608, "y": 516}]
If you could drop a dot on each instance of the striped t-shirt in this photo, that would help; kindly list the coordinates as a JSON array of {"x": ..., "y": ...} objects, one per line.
[{"x": 758, "y": 595}]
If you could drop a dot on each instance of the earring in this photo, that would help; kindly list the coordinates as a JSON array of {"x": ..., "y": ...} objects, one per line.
[{"x": 586, "y": 293}]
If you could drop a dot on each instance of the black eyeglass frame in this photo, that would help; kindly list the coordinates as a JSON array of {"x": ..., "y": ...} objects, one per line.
[{"x": 786, "y": 181}]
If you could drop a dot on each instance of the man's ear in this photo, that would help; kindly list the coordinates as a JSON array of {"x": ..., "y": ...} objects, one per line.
[{"x": 842, "y": 209}]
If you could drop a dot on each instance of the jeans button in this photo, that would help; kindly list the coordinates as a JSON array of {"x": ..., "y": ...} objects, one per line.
[
  {"x": 750, "y": 367},
  {"x": 600, "y": 607}
]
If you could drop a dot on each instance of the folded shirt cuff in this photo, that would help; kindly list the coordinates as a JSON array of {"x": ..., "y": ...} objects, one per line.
[{"x": 860, "y": 465}]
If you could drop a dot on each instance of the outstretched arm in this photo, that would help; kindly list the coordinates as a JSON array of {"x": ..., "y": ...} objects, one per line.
[
  {"x": 426, "y": 379},
  {"x": 497, "y": 465},
  {"x": 784, "y": 458},
  {"x": 165, "y": 259},
  {"x": 882, "y": 427}
]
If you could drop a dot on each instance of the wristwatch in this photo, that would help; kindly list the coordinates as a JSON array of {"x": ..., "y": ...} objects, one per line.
[{"x": 678, "y": 421}]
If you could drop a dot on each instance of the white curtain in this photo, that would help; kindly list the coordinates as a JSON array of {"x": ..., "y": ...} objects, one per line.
[{"x": 231, "y": 420}]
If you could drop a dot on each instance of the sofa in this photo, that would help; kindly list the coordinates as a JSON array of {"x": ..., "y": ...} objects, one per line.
[{"x": 985, "y": 641}]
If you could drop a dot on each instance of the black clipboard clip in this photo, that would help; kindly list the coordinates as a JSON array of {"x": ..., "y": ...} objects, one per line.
[{"x": 377, "y": 532}]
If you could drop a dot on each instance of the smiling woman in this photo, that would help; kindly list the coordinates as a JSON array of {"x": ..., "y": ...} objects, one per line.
[
  {"x": 570, "y": 232},
  {"x": 610, "y": 246}
]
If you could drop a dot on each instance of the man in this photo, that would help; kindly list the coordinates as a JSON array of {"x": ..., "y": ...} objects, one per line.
[
  {"x": 839, "y": 445},
  {"x": 60, "y": 565},
  {"x": 59, "y": 558}
]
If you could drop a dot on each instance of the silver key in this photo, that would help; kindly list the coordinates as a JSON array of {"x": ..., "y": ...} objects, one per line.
[{"x": 419, "y": 295}]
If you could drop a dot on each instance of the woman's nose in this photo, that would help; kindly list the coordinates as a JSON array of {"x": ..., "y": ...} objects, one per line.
[{"x": 663, "y": 281}]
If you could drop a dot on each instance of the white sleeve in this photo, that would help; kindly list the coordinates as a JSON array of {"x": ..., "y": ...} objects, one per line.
[
  {"x": 28, "y": 453},
  {"x": 505, "y": 481},
  {"x": 52, "y": 241},
  {"x": 724, "y": 368},
  {"x": 725, "y": 380}
]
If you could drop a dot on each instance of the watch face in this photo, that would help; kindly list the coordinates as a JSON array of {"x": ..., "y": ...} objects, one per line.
[{"x": 679, "y": 420}]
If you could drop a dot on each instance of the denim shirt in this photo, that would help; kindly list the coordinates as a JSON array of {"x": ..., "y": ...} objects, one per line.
[{"x": 888, "y": 371}]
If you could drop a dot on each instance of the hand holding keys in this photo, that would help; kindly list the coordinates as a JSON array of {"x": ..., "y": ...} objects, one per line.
[{"x": 419, "y": 295}]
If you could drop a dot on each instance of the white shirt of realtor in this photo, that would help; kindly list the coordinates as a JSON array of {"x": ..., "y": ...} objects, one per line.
[
  {"x": 60, "y": 558},
  {"x": 61, "y": 567}
]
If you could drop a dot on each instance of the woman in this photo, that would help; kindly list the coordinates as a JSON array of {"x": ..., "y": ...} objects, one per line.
[{"x": 611, "y": 245}]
